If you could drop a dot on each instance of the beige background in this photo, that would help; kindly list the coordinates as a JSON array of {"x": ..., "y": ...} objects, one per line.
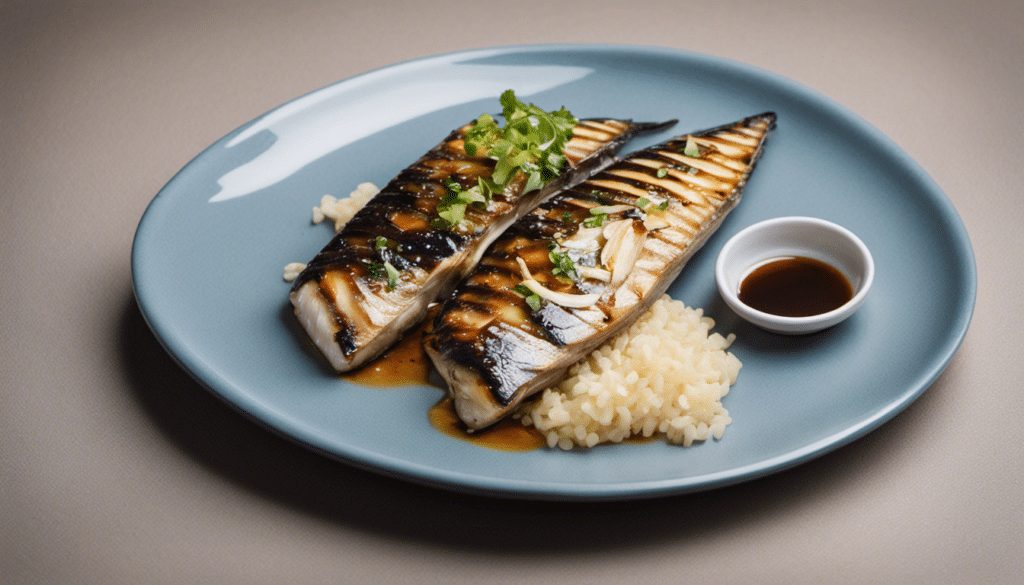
[{"x": 116, "y": 468}]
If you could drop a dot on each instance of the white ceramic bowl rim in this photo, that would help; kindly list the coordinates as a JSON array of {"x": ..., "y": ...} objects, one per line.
[{"x": 729, "y": 275}]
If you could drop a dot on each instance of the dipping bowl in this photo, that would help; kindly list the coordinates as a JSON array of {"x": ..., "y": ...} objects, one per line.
[{"x": 793, "y": 237}]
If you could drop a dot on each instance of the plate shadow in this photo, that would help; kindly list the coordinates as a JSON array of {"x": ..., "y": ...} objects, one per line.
[{"x": 257, "y": 459}]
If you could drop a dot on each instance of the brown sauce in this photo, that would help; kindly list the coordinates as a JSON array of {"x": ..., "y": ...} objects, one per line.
[
  {"x": 507, "y": 435},
  {"x": 795, "y": 287},
  {"x": 405, "y": 364}
]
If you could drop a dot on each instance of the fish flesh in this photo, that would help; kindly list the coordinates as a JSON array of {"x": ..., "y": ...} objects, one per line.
[
  {"x": 584, "y": 265},
  {"x": 376, "y": 277}
]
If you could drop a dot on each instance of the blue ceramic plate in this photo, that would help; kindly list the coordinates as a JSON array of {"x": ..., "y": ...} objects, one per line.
[{"x": 209, "y": 252}]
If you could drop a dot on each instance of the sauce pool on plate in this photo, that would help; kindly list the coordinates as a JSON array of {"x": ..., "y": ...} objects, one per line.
[
  {"x": 506, "y": 435},
  {"x": 795, "y": 286},
  {"x": 407, "y": 364}
]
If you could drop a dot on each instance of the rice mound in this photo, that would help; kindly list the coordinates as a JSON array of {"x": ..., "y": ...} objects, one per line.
[{"x": 666, "y": 374}]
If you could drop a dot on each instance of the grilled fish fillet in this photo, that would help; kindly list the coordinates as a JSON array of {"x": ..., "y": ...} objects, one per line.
[
  {"x": 354, "y": 307},
  {"x": 628, "y": 231}
]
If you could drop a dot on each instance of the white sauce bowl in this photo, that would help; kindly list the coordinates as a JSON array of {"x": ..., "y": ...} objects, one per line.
[{"x": 786, "y": 237}]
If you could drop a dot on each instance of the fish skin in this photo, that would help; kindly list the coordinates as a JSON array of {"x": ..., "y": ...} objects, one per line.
[
  {"x": 494, "y": 351},
  {"x": 350, "y": 313}
]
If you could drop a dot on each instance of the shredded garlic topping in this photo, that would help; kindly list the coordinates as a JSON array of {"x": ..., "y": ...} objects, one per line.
[
  {"x": 594, "y": 272},
  {"x": 561, "y": 299}
]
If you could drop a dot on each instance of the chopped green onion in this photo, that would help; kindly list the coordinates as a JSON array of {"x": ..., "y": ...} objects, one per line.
[
  {"x": 691, "y": 148},
  {"x": 532, "y": 298},
  {"x": 392, "y": 275},
  {"x": 648, "y": 206},
  {"x": 382, "y": 269},
  {"x": 597, "y": 220},
  {"x": 452, "y": 208},
  {"x": 534, "y": 301},
  {"x": 564, "y": 266},
  {"x": 531, "y": 142}
]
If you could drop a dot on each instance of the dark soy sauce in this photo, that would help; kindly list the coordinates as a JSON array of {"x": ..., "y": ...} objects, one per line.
[{"x": 795, "y": 287}]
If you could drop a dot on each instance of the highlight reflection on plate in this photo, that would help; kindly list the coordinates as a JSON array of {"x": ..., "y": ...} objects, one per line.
[{"x": 209, "y": 253}]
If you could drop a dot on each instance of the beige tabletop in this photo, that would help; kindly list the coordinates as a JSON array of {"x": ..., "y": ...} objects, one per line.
[{"x": 115, "y": 467}]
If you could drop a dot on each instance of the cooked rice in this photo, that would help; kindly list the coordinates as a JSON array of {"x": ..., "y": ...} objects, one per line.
[
  {"x": 342, "y": 210},
  {"x": 665, "y": 376},
  {"x": 292, "y": 270},
  {"x": 337, "y": 210}
]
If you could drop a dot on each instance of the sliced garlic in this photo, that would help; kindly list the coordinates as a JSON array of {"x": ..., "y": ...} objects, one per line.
[
  {"x": 524, "y": 269},
  {"x": 613, "y": 234},
  {"x": 625, "y": 242},
  {"x": 594, "y": 272},
  {"x": 585, "y": 239},
  {"x": 562, "y": 299},
  {"x": 654, "y": 222}
]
